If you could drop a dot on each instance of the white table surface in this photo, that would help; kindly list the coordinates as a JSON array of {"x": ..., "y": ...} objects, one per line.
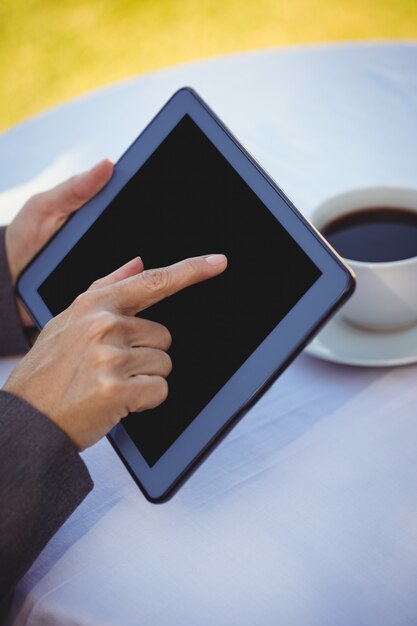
[{"x": 307, "y": 513}]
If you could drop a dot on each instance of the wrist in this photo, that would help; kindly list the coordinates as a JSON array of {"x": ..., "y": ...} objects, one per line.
[{"x": 12, "y": 340}]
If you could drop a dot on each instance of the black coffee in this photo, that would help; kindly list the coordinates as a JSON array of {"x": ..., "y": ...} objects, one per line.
[{"x": 379, "y": 234}]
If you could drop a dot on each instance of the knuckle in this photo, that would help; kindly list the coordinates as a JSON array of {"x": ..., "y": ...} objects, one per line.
[
  {"x": 161, "y": 363},
  {"x": 155, "y": 280},
  {"x": 83, "y": 302},
  {"x": 75, "y": 194},
  {"x": 106, "y": 358},
  {"x": 35, "y": 201},
  {"x": 192, "y": 264},
  {"x": 99, "y": 357},
  {"x": 52, "y": 324},
  {"x": 150, "y": 393},
  {"x": 165, "y": 337},
  {"x": 155, "y": 334},
  {"x": 161, "y": 393},
  {"x": 96, "y": 284},
  {"x": 106, "y": 386},
  {"x": 102, "y": 324},
  {"x": 167, "y": 363}
]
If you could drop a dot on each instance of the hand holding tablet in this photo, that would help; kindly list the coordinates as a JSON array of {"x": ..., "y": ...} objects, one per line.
[
  {"x": 105, "y": 362},
  {"x": 184, "y": 187},
  {"x": 42, "y": 216}
]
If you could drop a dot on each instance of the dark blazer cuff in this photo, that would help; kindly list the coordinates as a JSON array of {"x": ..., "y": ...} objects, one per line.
[
  {"x": 42, "y": 481},
  {"x": 12, "y": 337}
]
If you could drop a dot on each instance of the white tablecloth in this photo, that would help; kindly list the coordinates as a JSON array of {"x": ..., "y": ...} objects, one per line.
[{"x": 307, "y": 513}]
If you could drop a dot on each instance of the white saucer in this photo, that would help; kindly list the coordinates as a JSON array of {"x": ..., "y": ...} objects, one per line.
[{"x": 341, "y": 342}]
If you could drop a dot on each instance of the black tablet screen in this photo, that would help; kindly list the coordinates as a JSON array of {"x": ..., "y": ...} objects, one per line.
[{"x": 188, "y": 200}]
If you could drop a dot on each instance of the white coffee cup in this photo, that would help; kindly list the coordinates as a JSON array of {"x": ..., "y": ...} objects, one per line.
[{"x": 386, "y": 293}]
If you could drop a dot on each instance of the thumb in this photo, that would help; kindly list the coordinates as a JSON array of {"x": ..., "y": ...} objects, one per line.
[
  {"x": 70, "y": 195},
  {"x": 131, "y": 268}
]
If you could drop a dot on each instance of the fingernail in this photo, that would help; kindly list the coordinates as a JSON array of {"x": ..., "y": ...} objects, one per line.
[
  {"x": 100, "y": 164},
  {"x": 216, "y": 259},
  {"x": 106, "y": 160},
  {"x": 135, "y": 260}
]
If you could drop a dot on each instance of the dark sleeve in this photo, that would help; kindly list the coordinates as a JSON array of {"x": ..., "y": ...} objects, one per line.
[
  {"x": 42, "y": 480},
  {"x": 12, "y": 337}
]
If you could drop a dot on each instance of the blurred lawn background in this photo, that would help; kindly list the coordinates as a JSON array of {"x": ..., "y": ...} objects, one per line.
[{"x": 53, "y": 50}]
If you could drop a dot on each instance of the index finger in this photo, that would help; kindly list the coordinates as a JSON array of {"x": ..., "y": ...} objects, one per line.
[{"x": 132, "y": 295}]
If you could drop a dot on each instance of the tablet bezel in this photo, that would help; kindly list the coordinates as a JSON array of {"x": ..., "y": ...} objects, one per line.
[{"x": 270, "y": 358}]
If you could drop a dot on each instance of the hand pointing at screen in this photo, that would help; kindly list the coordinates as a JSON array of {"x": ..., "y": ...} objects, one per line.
[{"x": 96, "y": 361}]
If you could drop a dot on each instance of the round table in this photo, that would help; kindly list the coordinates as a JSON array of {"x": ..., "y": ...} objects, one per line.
[{"x": 307, "y": 513}]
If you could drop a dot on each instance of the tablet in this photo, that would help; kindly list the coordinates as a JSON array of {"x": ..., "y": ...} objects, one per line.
[{"x": 186, "y": 187}]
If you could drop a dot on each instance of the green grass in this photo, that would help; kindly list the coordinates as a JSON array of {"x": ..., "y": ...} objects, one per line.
[{"x": 52, "y": 50}]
